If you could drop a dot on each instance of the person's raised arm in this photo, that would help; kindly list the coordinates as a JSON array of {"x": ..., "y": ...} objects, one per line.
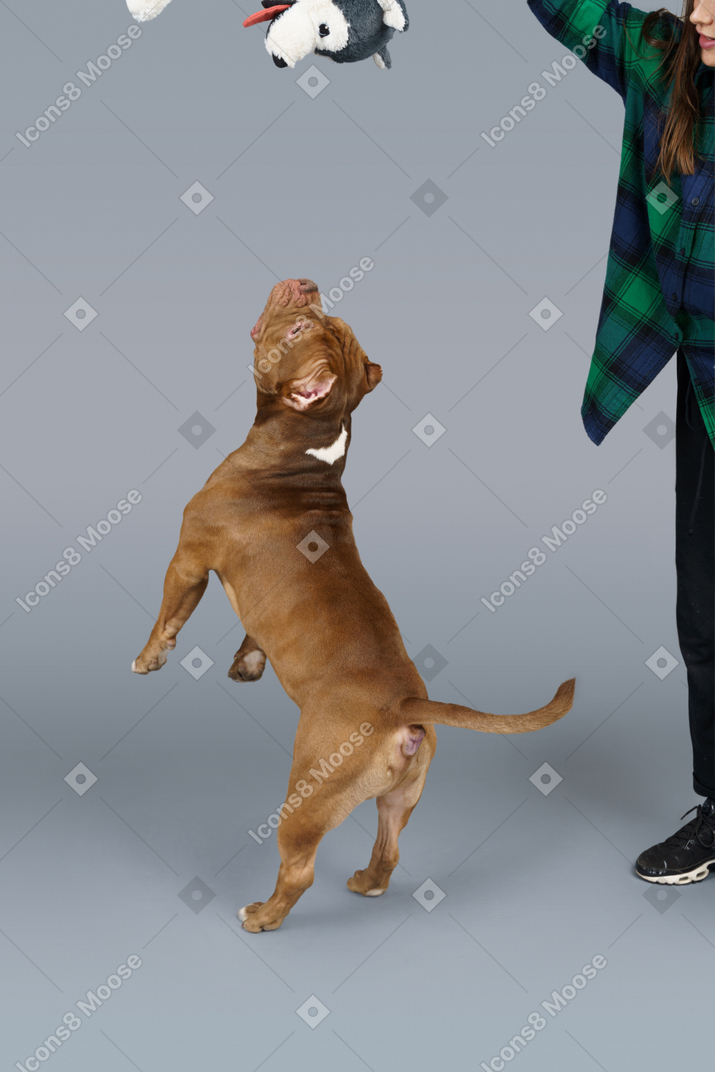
[{"x": 606, "y": 35}]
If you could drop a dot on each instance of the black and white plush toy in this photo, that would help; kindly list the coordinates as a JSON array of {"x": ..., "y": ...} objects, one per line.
[
  {"x": 146, "y": 9},
  {"x": 343, "y": 30}
]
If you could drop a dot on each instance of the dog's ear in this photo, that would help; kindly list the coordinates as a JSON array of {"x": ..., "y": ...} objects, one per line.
[
  {"x": 353, "y": 352},
  {"x": 373, "y": 374}
]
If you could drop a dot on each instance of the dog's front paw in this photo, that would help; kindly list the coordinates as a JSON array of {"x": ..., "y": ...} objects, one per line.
[
  {"x": 248, "y": 666},
  {"x": 144, "y": 664},
  {"x": 255, "y": 920}
]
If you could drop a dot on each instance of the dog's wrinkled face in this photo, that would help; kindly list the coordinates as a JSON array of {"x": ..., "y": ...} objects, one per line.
[{"x": 305, "y": 360}]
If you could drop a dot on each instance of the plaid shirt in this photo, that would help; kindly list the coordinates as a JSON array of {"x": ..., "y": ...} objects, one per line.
[{"x": 659, "y": 293}]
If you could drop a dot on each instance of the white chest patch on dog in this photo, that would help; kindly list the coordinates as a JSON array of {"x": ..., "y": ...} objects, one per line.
[{"x": 332, "y": 453}]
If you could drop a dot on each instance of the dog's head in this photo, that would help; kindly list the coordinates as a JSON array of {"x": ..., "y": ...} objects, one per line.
[{"x": 305, "y": 360}]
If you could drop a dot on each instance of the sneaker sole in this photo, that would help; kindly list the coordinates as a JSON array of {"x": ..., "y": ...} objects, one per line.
[{"x": 696, "y": 875}]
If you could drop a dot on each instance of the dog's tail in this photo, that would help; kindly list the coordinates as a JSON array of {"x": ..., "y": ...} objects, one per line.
[{"x": 420, "y": 712}]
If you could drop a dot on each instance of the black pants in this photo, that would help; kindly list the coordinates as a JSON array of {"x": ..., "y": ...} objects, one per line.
[{"x": 695, "y": 568}]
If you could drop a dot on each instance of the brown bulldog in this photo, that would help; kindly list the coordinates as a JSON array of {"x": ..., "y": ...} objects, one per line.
[{"x": 273, "y": 523}]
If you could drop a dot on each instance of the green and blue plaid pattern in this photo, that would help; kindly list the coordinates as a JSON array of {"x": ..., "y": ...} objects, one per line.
[{"x": 659, "y": 293}]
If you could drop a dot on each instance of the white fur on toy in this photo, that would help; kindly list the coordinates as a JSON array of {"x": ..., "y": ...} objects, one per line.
[
  {"x": 295, "y": 34},
  {"x": 394, "y": 15},
  {"x": 143, "y": 10}
]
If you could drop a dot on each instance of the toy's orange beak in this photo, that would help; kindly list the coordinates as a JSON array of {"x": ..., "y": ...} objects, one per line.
[{"x": 266, "y": 16}]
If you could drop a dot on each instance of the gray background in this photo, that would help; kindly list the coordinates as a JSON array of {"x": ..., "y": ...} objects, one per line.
[{"x": 536, "y": 885}]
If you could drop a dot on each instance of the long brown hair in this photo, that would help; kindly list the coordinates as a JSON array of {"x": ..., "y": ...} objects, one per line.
[{"x": 681, "y": 57}]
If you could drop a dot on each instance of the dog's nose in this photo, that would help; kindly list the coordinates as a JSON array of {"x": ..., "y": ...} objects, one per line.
[
  {"x": 278, "y": 61},
  {"x": 296, "y": 290},
  {"x": 292, "y": 291}
]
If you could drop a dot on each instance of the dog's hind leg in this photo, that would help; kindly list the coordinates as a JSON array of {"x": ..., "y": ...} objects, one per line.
[
  {"x": 393, "y": 815},
  {"x": 249, "y": 662},
  {"x": 393, "y": 811}
]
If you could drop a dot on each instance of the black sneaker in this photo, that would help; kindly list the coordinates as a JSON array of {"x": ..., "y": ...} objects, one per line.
[{"x": 685, "y": 857}]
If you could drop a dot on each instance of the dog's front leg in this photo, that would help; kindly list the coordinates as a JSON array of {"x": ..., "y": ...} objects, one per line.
[
  {"x": 249, "y": 662},
  {"x": 295, "y": 876},
  {"x": 184, "y": 586}
]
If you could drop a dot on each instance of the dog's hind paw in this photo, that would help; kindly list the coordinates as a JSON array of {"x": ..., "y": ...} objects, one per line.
[{"x": 360, "y": 884}]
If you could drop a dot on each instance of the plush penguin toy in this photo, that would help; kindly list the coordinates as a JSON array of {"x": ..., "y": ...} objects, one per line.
[
  {"x": 142, "y": 10},
  {"x": 343, "y": 30}
]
